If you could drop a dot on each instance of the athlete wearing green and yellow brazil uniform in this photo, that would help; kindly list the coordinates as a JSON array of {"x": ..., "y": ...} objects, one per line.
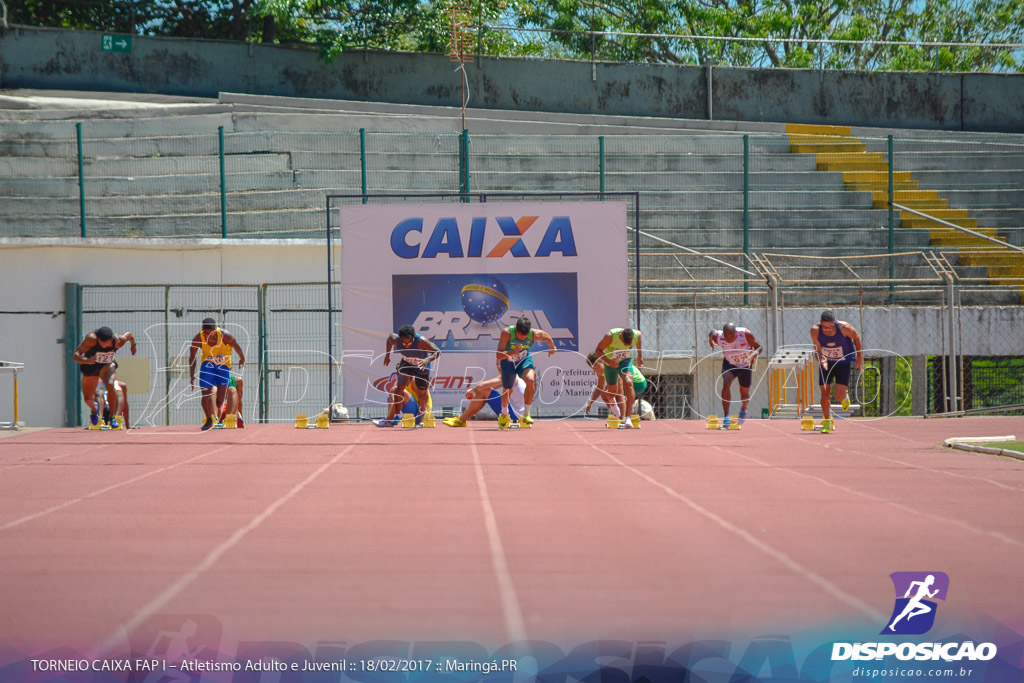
[
  {"x": 514, "y": 359},
  {"x": 616, "y": 351}
]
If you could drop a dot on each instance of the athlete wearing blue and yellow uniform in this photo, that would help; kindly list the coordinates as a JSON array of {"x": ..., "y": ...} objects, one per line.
[
  {"x": 411, "y": 405},
  {"x": 514, "y": 359},
  {"x": 417, "y": 352},
  {"x": 837, "y": 344},
  {"x": 215, "y": 346},
  {"x": 616, "y": 351}
]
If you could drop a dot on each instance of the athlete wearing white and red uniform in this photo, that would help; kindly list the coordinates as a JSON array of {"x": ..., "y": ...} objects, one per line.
[{"x": 739, "y": 348}]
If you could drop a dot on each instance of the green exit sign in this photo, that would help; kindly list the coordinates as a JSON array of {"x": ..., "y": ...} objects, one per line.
[{"x": 116, "y": 43}]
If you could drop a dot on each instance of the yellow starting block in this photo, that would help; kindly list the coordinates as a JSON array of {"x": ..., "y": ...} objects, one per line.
[
  {"x": 613, "y": 421},
  {"x": 105, "y": 427},
  {"x": 429, "y": 421},
  {"x": 635, "y": 420},
  {"x": 715, "y": 422},
  {"x": 302, "y": 421},
  {"x": 231, "y": 421},
  {"x": 808, "y": 424},
  {"x": 408, "y": 420}
]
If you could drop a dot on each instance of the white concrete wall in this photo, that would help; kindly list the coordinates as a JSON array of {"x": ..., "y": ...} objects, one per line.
[{"x": 33, "y": 273}]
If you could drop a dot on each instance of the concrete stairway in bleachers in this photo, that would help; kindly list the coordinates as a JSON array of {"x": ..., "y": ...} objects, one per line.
[{"x": 936, "y": 180}]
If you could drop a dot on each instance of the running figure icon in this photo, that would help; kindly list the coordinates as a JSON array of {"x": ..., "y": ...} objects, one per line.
[{"x": 915, "y": 606}]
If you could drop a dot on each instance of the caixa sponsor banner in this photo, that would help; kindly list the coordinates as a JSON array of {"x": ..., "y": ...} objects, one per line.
[
  {"x": 947, "y": 652},
  {"x": 461, "y": 274}
]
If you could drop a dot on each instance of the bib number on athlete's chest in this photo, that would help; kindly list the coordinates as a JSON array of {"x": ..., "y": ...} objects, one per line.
[
  {"x": 832, "y": 352},
  {"x": 517, "y": 356},
  {"x": 104, "y": 357}
]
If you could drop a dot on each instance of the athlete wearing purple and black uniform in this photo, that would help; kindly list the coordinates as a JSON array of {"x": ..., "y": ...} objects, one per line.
[
  {"x": 739, "y": 348},
  {"x": 417, "y": 352},
  {"x": 837, "y": 344},
  {"x": 95, "y": 355}
]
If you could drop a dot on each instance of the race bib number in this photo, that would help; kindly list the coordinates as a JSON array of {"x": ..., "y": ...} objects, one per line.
[
  {"x": 219, "y": 359},
  {"x": 518, "y": 356},
  {"x": 738, "y": 357},
  {"x": 104, "y": 357},
  {"x": 832, "y": 352},
  {"x": 622, "y": 355}
]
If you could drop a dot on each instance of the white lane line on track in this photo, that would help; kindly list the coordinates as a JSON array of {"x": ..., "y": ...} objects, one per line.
[
  {"x": 781, "y": 557},
  {"x": 1009, "y": 540},
  {"x": 172, "y": 591},
  {"x": 515, "y": 629},
  {"x": 107, "y": 489}
]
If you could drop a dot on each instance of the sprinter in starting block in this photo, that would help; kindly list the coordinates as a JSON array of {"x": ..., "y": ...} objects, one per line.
[
  {"x": 112, "y": 420},
  {"x": 409, "y": 415},
  {"x": 488, "y": 393},
  {"x": 95, "y": 356}
]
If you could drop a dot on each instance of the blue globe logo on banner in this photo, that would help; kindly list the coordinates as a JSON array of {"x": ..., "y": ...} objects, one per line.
[{"x": 484, "y": 299}]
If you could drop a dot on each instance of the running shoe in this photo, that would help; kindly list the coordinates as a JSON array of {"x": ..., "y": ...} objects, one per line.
[
  {"x": 726, "y": 422},
  {"x": 453, "y": 422},
  {"x": 743, "y": 416},
  {"x": 208, "y": 424},
  {"x": 826, "y": 426},
  {"x": 526, "y": 419},
  {"x": 239, "y": 422},
  {"x": 114, "y": 424},
  {"x": 504, "y": 421},
  {"x": 846, "y": 403},
  {"x": 384, "y": 422},
  {"x": 94, "y": 419}
]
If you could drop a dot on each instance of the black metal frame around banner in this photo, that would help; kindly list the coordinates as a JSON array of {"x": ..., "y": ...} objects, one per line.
[{"x": 465, "y": 197}]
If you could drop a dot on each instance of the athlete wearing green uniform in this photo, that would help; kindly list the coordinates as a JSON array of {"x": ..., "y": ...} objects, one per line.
[
  {"x": 616, "y": 351},
  {"x": 514, "y": 359}
]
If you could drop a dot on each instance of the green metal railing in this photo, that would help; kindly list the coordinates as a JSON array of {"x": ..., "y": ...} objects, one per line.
[{"x": 706, "y": 191}]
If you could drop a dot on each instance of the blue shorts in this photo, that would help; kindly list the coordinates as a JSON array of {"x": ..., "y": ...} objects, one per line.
[
  {"x": 213, "y": 375},
  {"x": 494, "y": 403},
  {"x": 510, "y": 370}
]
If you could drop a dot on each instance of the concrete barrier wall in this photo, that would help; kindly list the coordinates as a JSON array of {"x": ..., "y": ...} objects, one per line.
[{"x": 61, "y": 59}]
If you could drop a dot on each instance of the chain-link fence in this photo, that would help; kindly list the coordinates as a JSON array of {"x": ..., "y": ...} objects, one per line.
[
  {"x": 281, "y": 329},
  {"x": 931, "y": 354}
]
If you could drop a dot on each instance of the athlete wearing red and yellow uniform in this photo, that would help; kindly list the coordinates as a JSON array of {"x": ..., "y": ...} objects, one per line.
[
  {"x": 216, "y": 346},
  {"x": 739, "y": 348}
]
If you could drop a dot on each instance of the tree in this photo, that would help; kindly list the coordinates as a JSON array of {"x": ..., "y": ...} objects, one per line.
[{"x": 797, "y": 27}]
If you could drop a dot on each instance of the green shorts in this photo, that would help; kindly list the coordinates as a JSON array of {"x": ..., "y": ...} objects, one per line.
[{"x": 611, "y": 374}]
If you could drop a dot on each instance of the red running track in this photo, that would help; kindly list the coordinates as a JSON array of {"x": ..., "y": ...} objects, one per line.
[{"x": 566, "y": 532}]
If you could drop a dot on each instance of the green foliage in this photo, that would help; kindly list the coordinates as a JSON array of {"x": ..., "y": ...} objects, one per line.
[{"x": 781, "y": 33}]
